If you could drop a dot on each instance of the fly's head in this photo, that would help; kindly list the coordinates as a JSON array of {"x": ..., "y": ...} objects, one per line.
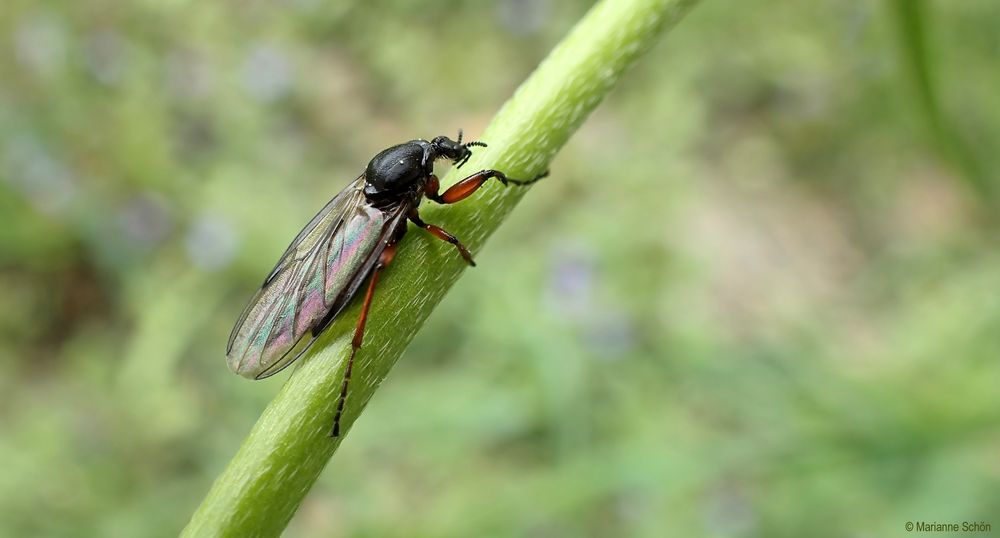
[{"x": 456, "y": 151}]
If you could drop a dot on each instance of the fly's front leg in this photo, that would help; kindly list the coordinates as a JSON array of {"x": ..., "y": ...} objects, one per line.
[
  {"x": 463, "y": 189},
  {"x": 441, "y": 234}
]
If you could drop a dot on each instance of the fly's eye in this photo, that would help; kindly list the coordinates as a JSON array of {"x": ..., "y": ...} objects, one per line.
[{"x": 447, "y": 147}]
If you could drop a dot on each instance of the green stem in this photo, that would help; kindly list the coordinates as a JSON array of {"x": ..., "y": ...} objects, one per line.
[
  {"x": 913, "y": 25},
  {"x": 286, "y": 450}
]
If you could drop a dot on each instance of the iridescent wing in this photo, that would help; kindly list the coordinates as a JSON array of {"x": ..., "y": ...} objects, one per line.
[{"x": 313, "y": 281}]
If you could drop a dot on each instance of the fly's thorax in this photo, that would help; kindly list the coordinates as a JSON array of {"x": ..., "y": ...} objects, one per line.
[{"x": 399, "y": 171}]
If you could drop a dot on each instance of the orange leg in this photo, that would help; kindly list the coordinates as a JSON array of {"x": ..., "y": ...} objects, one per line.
[
  {"x": 359, "y": 333},
  {"x": 463, "y": 189},
  {"x": 441, "y": 234}
]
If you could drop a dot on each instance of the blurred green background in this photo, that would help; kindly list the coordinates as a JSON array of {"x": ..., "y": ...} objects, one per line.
[{"x": 758, "y": 296}]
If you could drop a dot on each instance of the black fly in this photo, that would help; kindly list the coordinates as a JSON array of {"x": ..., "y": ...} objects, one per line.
[{"x": 349, "y": 241}]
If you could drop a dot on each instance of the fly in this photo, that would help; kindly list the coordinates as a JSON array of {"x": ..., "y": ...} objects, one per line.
[{"x": 350, "y": 241}]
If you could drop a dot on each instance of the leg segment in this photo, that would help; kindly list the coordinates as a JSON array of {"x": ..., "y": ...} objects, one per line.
[
  {"x": 441, "y": 234},
  {"x": 463, "y": 189},
  {"x": 359, "y": 333}
]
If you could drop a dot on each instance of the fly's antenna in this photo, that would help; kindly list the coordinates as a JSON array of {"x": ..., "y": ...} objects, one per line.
[
  {"x": 466, "y": 146},
  {"x": 469, "y": 144}
]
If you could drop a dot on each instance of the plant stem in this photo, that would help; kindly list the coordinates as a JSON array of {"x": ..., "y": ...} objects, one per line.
[
  {"x": 913, "y": 25},
  {"x": 286, "y": 450}
]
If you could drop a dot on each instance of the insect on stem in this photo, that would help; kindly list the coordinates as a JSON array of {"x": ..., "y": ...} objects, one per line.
[{"x": 346, "y": 244}]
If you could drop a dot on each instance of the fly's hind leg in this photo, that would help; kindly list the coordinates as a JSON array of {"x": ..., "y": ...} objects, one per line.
[{"x": 359, "y": 332}]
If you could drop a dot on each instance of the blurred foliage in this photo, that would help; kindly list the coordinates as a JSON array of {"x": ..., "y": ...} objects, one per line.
[{"x": 757, "y": 297}]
